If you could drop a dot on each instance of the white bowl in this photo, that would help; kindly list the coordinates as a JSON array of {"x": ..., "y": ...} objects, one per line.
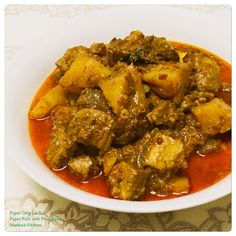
[{"x": 210, "y": 29}]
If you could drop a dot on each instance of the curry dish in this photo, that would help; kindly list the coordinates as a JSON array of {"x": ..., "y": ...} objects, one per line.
[{"x": 135, "y": 111}]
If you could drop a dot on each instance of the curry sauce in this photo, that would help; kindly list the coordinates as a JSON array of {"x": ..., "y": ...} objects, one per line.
[{"x": 203, "y": 169}]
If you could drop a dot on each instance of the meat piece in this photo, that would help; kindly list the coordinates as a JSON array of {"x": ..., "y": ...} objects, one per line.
[
  {"x": 61, "y": 148},
  {"x": 169, "y": 80},
  {"x": 165, "y": 153},
  {"x": 214, "y": 116},
  {"x": 206, "y": 72},
  {"x": 191, "y": 138},
  {"x": 137, "y": 49},
  {"x": 101, "y": 51},
  {"x": 190, "y": 135},
  {"x": 152, "y": 50},
  {"x": 166, "y": 183},
  {"x": 113, "y": 52},
  {"x": 211, "y": 145},
  {"x": 83, "y": 167},
  {"x": 109, "y": 160},
  {"x": 92, "y": 127},
  {"x": 161, "y": 49},
  {"x": 120, "y": 48},
  {"x": 84, "y": 72},
  {"x": 93, "y": 98},
  {"x": 164, "y": 113},
  {"x": 195, "y": 98},
  {"x": 67, "y": 59},
  {"x": 159, "y": 182},
  {"x": 127, "y": 182},
  {"x": 129, "y": 128},
  {"x": 225, "y": 92},
  {"x": 127, "y": 153}
]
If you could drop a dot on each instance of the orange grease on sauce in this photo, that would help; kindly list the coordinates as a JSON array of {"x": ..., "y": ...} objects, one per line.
[
  {"x": 207, "y": 170},
  {"x": 202, "y": 171}
]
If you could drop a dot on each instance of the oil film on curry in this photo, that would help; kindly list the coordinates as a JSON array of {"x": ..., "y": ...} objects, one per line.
[{"x": 139, "y": 118}]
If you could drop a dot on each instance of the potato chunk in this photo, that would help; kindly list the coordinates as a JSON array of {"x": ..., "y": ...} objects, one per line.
[
  {"x": 169, "y": 80},
  {"x": 165, "y": 153},
  {"x": 214, "y": 116},
  {"x": 84, "y": 72},
  {"x": 127, "y": 182},
  {"x": 55, "y": 96},
  {"x": 124, "y": 90},
  {"x": 115, "y": 90}
]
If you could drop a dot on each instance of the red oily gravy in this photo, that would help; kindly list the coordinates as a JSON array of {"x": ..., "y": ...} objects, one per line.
[{"x": 203, "y": 171}]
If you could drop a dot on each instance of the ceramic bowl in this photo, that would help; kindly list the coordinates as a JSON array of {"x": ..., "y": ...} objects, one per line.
[{"x": 206, "y": 27}]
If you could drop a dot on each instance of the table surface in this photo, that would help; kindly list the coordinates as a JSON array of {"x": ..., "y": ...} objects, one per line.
[{"x": 54, "y": 213}]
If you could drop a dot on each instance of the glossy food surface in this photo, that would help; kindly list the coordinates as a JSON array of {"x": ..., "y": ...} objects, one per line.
[{"x": 168, "y": 110}]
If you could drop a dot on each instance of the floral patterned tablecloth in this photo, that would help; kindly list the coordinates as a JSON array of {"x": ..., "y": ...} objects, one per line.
[{"x": 53, "y": 213}]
